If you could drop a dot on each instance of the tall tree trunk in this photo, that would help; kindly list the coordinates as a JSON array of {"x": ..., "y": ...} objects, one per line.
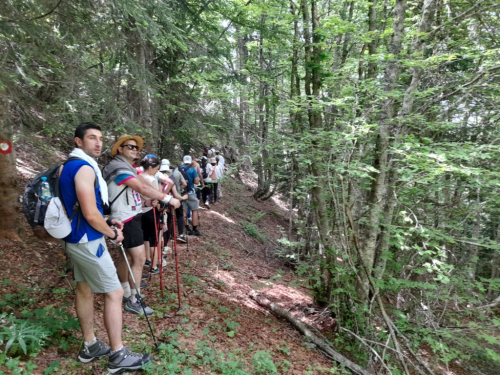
[
  {"x": 8, "y": 183},
  {"x": 378, "y": 187},
  {"x": 313, "y": 50}
]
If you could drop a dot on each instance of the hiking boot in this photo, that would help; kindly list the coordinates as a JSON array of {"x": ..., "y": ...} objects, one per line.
[
  {"x": 181, "y": 238},
  {"x": 124, "y": 360},
  {"x": 136, "y": 308},
  {"x": 155, "y": 271},
  {"x": 207, "y": 205},
  {"x": 196, "y": 233},
  {"x": 96, "y": 350},
  {"x": 125, "y": 299},
  {"x": 147, "y": 264},
  {"x": 145, "y": 276},
  {"x": 189, "y": 232}
]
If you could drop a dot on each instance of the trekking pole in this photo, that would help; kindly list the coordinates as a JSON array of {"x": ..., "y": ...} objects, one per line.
[
  {"x": 138, "y": 296},
  {"x": 151, "y": 266},
  {"x": 160, "y": 255},
  {"x": 176, "y": 260},
  {"x": 157, "y": 249}
]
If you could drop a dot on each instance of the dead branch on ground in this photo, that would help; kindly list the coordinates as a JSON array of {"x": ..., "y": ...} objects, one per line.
[{"x": 301, "y": 327}]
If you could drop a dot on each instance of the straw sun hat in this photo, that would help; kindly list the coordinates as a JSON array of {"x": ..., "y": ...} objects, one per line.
[{"x": 122, "y": 139}]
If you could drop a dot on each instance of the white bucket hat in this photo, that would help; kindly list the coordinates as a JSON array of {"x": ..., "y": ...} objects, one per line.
[
  {"x": 165, "y": 165},
  {"x": 56, "y": 221}
]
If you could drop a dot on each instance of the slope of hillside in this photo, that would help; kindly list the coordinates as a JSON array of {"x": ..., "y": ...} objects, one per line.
[{"x": 219, "y": 329}]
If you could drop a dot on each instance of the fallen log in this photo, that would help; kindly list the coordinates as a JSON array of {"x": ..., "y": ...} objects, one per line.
[{"x": 302, "y": 328}]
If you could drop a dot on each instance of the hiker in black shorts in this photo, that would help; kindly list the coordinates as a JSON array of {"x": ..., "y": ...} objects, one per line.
[{"x": 125, "y": 189}]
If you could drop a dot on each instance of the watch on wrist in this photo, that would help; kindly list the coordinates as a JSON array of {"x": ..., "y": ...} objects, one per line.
[{"x": 115, "y": 236}]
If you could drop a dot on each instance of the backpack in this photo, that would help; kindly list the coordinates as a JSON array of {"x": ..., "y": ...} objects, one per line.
[
  {"x": 183, "y": 169},
  {"x": 49, "y": 215}
]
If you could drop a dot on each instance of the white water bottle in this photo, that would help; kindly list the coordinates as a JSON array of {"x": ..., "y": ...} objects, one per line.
[{"x": 45, "y": 193}]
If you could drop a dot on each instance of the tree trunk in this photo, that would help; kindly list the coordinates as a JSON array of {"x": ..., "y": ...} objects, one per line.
[
  {"x": 377, "y": 200},
  {"x": 9, "y": 188},
  {"x": 313, "y": 50}
]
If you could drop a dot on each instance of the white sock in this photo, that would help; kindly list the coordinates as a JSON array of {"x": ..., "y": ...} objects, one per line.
[
  {"x": 91, "y": 342},
  {"x": 132, "y": 297},
  {"x": 126, "y": 289},
  {"x": 114, "y": 351}
]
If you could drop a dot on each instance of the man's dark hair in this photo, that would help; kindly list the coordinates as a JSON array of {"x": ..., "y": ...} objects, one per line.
[{"x": 83, "y": 127}]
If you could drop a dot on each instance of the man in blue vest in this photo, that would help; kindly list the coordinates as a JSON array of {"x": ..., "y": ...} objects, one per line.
[
  {"x": 193, "y": 179},
  {"x": 94, "y": 270}
]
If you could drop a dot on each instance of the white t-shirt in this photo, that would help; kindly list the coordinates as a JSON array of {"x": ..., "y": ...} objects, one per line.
[
  {"x": 154, "y": 183},
  {"x": 128, "y": 203},
  {"x": 221, "y": 160}
]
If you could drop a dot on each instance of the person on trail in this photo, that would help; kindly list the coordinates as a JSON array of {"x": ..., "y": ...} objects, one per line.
[
  {"x": 189, "y": 172},
  {"x": 179, "y": 185},
  {"x": 220, "y": 159},
  {"x": 219, "y": 172},
  {"x": 125, "y": 188},
  {"x": 210, "y": 193},
  {"x": 201, "y": 184},
  {"x": 205, "y": 151},
  {"x": 211, "y": 151},
  {"x": 83, "y": 188},
  {"x": 150, "y": 213}
]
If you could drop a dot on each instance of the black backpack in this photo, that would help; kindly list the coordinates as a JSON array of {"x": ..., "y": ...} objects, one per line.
[{"x": 35, "y": 208}]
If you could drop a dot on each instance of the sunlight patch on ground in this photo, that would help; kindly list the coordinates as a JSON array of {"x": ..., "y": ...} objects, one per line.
[
  {"x": 279, "y": 202},
  {"x": 249, "y": 179},
  {"x": 278, "y": 292},
  {"x": 219, "y": 216},
  {"x": 24, "y": 170},
  {"x": 287, "y": 297}
]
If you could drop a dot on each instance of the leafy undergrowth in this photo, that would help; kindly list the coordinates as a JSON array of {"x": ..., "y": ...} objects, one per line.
[{"x": 218, "y": 330}]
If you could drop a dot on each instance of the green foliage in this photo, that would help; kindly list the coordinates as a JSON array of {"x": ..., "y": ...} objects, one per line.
[
  {"x": 21, "y": 335},
  {"x": 263, "y": 363},
  {"x": 252, "y": 230}
]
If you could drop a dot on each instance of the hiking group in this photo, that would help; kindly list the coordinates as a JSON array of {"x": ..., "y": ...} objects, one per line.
[{"x": 141, "y": 203}]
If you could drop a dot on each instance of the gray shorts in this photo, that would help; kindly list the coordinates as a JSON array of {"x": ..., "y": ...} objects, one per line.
[
  {"x": 192, "y": 202},
  {"x": 93, "y": 264}
]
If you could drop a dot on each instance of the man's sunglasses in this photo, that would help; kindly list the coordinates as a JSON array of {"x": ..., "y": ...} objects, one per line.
[{"x": 131, "y": 147}]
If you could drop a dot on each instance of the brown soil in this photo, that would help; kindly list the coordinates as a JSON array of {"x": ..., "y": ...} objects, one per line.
[{"x": 217, "y": 272}]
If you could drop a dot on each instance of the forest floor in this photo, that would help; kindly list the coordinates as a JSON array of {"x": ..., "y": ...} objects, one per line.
[{"x": 219, "y": 329}]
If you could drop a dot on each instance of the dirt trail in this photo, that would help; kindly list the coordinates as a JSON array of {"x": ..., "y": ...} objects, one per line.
[{"x": 217, "y": 271}]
